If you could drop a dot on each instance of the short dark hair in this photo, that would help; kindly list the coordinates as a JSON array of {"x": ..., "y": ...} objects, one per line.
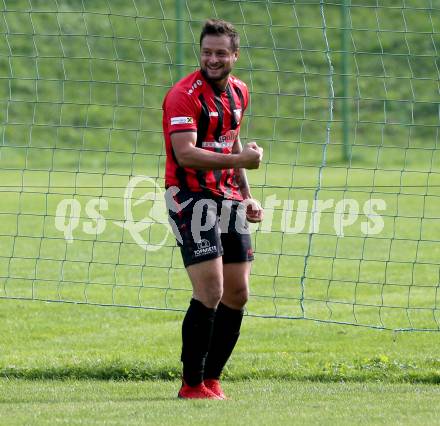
[{"x": 220, "y": 27}]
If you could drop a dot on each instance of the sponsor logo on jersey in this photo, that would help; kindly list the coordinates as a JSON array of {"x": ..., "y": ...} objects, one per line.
[
  {"x": 213, "y": 113},
  {"x": 198, "y": 83},
  {"x": 181, "y": 120},
  {"x": 229, "y": 136},
  {"x": 215, "y": 144}
]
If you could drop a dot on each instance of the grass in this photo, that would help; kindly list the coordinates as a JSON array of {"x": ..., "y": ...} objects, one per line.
[
  {"x": 269, "y": 402},
  {"x": 71, "y": 364},
  {"x": 62, "y": 341}
]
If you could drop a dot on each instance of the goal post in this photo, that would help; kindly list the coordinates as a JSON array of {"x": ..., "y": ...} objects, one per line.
[{"x": 344, "y": 101}]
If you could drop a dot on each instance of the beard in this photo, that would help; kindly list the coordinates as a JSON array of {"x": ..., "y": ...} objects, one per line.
[{"x": 225, "y": 72}]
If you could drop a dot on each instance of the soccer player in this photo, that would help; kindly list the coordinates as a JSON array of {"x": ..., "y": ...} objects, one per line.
[{"x": 205, "y": 168}]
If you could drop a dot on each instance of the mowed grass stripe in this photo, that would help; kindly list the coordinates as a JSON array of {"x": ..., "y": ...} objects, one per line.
[{"x": 257, "y": 402}]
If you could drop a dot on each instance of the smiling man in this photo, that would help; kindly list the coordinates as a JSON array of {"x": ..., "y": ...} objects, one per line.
[{"x": 205, "y": 169}]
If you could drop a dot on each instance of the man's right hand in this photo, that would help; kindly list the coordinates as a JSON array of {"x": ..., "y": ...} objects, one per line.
[{"x": 251, "y": 156}]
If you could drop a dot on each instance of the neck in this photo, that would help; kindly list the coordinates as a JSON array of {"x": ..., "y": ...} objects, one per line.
[
  {"x": 217, "y": 84},
  {"x": 220, "y": 84}
]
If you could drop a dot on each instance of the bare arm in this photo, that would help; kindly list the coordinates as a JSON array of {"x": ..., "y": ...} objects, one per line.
[{"x": 188, "y": 155}]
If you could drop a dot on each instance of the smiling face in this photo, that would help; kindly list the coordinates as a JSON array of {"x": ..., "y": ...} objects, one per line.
[{"x": 217, "y": 58}]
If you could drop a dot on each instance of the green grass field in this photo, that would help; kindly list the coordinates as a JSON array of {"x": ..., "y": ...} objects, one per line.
[
  {"x": 91, "y": 365},
  {"x": 270, "y": 402},
  {"x": 80, "y": 115}
]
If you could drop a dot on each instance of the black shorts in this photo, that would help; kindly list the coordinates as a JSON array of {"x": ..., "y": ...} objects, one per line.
[{"x": 206, "y": 228}]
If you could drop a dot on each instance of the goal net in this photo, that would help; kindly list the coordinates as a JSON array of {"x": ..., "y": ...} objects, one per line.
[{"x": 344, "y": 101}]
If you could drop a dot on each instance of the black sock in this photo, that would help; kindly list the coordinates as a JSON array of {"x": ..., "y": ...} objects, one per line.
[
  {"x": 225, "y": 334},
  {"x": 196, "y": 336}
]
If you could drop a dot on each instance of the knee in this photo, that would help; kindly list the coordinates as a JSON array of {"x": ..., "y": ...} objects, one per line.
[
  {"x": 213, "y": 297},
  {"x": 242, "y": 296},
  {"x": 211, "y": 294},
  {"x": 207, "y": 281},
  {"x": 237, "y": 298}
]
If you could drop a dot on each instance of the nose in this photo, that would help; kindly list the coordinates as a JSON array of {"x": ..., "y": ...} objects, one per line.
[{"x": 213, "y": 59}]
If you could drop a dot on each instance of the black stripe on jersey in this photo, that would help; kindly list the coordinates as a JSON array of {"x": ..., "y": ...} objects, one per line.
[
  {"x": 234, "y": 123},
  {"x": 241, "y": 97},
  {"x": 229, "y": 174},
  {"x": 202, "y": 131},
  {"x": 221, "y": 114},
  {"x": 217, "y": 134},
  {"x": 203, "y": 123}
]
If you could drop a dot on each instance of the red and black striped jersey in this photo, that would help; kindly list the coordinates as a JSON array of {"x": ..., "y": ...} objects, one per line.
[{"x": 193, "y": 104}]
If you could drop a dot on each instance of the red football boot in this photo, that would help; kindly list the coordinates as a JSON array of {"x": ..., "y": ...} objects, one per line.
[
  {"x": 199, "y": 391},
  {"x": 214, "y": 386}
]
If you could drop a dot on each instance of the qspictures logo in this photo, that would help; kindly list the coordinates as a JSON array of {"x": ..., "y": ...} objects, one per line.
[
  {"x": 143, "y": 195},
  {"x": 69, "y": 214}
]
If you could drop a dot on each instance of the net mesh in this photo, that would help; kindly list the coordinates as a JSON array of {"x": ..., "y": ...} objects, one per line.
[{"x": 344, "y": 100}]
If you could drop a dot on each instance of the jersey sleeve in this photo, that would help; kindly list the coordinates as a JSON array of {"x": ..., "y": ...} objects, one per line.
[{"x": 180, "y": 112}]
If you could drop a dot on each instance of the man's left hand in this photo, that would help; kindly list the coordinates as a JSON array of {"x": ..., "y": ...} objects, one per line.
[{"x": 254, "y": 211}]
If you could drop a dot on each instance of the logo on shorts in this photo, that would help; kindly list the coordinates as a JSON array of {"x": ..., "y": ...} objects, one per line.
[
  {"x": 204, "y": 247},
  {"x": 203, "y": 244}
]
